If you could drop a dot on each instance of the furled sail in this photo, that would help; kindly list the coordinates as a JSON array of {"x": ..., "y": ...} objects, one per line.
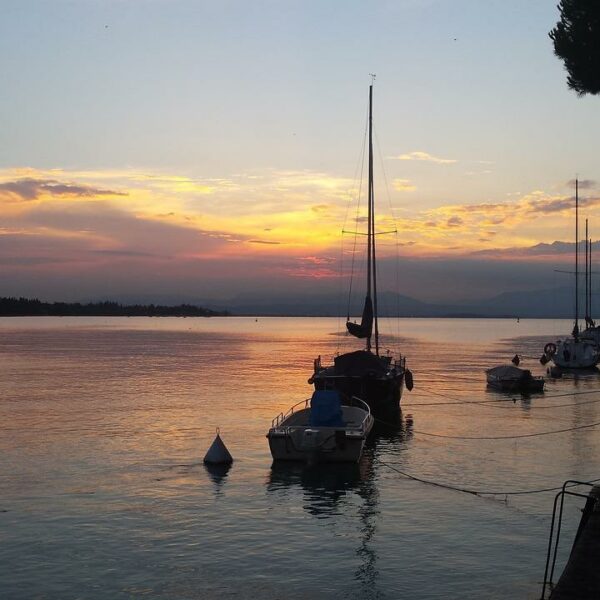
[{"x": 366, "y": 323}]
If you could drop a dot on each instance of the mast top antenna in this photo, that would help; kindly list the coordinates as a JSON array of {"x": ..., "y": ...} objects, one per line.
[{"x": 373, "y": 76}]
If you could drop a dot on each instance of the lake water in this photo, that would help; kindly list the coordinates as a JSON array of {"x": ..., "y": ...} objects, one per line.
[{"x": 103, "y": 494}]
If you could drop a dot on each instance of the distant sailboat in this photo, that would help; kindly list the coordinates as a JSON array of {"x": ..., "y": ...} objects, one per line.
[
  {"x": 574, "y": 351},
  {"x": 376, "y": 379}
]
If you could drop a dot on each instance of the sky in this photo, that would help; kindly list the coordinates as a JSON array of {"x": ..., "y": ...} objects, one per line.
[{"x": 187, "y": 149}]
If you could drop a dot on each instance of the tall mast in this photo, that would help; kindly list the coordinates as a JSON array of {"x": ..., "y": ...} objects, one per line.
[
  {"x": 590, "y": 280},
  {"x": 576, "y": 326},
  {"x": 370, "y": 210},
  {"x": 373, "y": 266},
  {"x": 587, "y": 276}
]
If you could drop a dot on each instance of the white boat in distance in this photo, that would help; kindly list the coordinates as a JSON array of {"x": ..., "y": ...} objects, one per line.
[
  {"x": 510, "y": 378},
  {"x": 321, "y": 429},
  {"x": 573, "y": 353}
]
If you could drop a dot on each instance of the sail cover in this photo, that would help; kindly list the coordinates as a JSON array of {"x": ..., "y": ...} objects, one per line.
[
  {"x": 508, "y": 372},
  {"x": 366, "y": 323},
  {"x": 326, "y": 409}
]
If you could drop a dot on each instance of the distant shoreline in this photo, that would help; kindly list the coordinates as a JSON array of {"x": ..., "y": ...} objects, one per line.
[{"x": 24, "y": 307}]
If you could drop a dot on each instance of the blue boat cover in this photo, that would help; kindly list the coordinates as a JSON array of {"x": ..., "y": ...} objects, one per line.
[{"x": 326, "y": 409}]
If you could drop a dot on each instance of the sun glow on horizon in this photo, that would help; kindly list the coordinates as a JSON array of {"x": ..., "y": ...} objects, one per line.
[{"x": 274, "y": 225}]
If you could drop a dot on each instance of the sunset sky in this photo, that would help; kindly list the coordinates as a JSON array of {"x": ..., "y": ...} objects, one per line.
[{"x": 192, "y": 149}]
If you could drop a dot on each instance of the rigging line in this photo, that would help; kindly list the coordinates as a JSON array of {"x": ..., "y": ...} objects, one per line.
[
  {"x": 476, "y": 492},
  {"x": 505, "y": 437},
  {"x": 359, "y": 194},
  {"x": 393, "y": 215},
  {"x": 359, "y": 166},
  {"x": 339, "y": 296},
  {"x": 385, "y": 179},
  {"x": 397, "y": 267}
]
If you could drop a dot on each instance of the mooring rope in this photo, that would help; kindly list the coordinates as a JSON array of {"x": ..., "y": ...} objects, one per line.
[
  {"x": 475, "y": 492},
  {"x": 505, "y": 437},
  {"x": 456, "y": 401}
]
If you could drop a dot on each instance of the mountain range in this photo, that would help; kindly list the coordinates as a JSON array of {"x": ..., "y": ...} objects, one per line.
[{"x": 544, "y": 303}]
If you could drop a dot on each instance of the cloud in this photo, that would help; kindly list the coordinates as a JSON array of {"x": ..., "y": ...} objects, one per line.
[
  {"x": 424, "y": 156},
  {"x": 121, "y": 253},
  {"x": 584, "y": 184},
  {"x": 403, "y": 185},
  {"x": 312, "y": 267},
  {"x": 31, "y": 189},
  {"x": 560, "y": 205},
  {"x": 556, "y": 250},
  {"x": 454, "y": 222}
]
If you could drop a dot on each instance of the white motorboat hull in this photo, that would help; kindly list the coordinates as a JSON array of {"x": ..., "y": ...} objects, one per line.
[
  {"x": 574, "y": 353},
  {"x": 294, "y": 439},
  {"x": 510, "y": 378},
  {"x": 592, "y": 335}
]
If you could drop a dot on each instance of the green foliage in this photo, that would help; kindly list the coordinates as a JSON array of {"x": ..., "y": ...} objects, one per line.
[{"x": 576, "y": 40}]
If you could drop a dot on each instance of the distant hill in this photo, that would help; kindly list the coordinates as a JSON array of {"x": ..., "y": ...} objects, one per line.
[
  {"x": 556, "y": 303},
  {"x": 548, "y": 303},
  {"x": 543, "y": 303}
]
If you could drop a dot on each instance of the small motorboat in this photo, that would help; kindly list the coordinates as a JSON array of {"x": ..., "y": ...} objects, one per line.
[
  {"x": 321, "y": 429},
  {"x": 509, "y": 378}
]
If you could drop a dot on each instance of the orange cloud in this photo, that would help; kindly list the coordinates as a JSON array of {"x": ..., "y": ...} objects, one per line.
[
  {"x": 424, "y": 156},
  {"x": 403, "y": 185}
]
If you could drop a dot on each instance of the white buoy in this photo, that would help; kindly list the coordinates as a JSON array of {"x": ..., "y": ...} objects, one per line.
[{"x": 218, "y": 454}]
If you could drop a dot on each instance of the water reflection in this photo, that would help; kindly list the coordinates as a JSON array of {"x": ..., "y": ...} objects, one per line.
[
  {"x": 330, "y": 490},
  {"x": 576, "y": 375},
  {"x": 218, "y": 474},
  {"x": 393, "y": 428},
  {"x": 325, "y": 486}
]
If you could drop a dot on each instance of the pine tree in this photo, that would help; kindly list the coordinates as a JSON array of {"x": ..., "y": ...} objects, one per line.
[{"x": 576, "y": 40}]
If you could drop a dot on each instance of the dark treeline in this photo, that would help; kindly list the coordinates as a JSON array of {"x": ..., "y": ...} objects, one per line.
[{"x": 25, "y": 307}]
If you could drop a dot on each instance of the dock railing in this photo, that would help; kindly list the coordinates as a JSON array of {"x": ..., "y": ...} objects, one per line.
[
  {"x": 354, "y": 401},
  {"x": 282, "y": 417},
  {"x": 552, "y": 553}
]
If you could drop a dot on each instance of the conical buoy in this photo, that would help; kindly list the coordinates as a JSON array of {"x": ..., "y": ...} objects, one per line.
[{"x": 218, "y": 454}]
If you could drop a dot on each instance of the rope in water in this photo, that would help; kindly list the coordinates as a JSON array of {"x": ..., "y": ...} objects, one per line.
[
  {"x": 504, "y": 437},
  {"x": 474, "y": 492},
  {"x": 455, "y": 401}
]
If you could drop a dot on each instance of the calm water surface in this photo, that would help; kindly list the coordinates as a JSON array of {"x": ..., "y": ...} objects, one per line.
[{"x": 103, "y": 494}]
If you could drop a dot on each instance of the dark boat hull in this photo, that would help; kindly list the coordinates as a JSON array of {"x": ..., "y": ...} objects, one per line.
[
  {"x": 382, "y": 394},
  {"x": 535, "y": 385}
]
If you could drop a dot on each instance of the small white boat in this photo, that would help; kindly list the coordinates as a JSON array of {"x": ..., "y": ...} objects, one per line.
[
  {"x": 509, "y": 378},
  {"x": 321, "y": 429}
]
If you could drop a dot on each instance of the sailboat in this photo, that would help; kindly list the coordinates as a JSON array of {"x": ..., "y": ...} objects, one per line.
[
  {"x": 377, "y": 379},
  {"x": 575, "y": 351}
]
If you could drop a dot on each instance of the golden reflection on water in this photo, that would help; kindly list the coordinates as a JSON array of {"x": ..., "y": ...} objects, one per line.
[{"x": 104, "y": 423}]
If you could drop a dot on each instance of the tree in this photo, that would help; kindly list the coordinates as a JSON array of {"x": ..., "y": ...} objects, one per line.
[{"x": 576, "y": 40}]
